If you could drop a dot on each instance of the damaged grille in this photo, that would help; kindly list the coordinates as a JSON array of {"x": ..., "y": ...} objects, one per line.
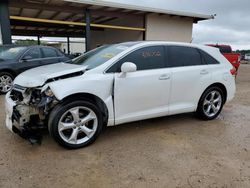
[{"x": 17, "y": 93}]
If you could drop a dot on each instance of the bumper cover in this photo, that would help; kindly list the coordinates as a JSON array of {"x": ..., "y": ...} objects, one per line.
[{"x": 12, "y": 122}]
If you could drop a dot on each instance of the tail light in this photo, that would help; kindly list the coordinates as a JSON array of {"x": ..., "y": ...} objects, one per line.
[{"x": 233, "y": 71}]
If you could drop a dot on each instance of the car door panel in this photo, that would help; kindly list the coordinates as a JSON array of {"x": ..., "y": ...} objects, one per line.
[
  {"x": 190, "y": 77},
  {"x": 144, "y": 93},
  {"x": 187, "y": 85}
]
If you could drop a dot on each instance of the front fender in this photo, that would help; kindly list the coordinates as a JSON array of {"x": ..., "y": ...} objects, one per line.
[{"x": 100, "y": 85}]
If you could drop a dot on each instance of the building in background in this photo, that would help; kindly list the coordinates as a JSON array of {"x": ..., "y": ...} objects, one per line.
[{"x": 99, "y": 22}]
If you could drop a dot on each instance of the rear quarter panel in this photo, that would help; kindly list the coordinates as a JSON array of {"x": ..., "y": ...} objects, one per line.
[{"x": 220, "y": 73}]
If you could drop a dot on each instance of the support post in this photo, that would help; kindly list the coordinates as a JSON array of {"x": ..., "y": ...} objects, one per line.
[
  {"x": 38, "y": 40},
  {"x": 144, "y": 26},
  {"x": 5, "y": 30},
  {"x": 87, "y": 30},
  {"x": 68, "y": 45}
]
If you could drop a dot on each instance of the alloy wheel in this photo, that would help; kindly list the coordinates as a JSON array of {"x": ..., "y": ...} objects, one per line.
[
  {"x": 77, "y": 125},
  {"x": 6, "y": 83},
  {"x": 212, "y": 103}
]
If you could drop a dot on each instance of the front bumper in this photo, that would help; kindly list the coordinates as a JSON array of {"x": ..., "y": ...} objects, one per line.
[
  {"x": 9, "y": 107},
  {"x": 15, "y": 123}
]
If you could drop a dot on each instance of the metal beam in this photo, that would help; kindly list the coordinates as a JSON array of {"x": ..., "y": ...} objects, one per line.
[
  {"x": 75, "y": 23},
  {"x": 87, "y": 30},
  {"x": 5, "y": 29},
  {"x": 35, "y": 33}
]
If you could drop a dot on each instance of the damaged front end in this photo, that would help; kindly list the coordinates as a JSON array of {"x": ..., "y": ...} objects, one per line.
[{"x": 27, "y": 111}]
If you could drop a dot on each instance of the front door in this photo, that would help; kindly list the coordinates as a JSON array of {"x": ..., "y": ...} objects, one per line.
[
  {"x": 30, "y": 59},
  {"x": 144, "y": 93}
]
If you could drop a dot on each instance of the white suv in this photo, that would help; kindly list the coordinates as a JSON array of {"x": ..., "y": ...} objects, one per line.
[{"x": 119, "y": 83}]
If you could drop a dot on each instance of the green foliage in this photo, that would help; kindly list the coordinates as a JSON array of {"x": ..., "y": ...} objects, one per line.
[
  {"x": 26, "y": 42},
  {"x": 243, "y": 52}
]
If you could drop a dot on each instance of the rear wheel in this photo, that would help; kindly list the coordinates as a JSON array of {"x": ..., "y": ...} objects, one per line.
[
  {"x": 75, "y": 124},
  {"x": 210, "y": 104},
  {"x": 6, "y": 82}
]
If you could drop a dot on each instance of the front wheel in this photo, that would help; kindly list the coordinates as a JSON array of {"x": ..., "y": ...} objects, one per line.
[
  {"x": 210, "y": 104},
  {"x": 75, "y": 124}
]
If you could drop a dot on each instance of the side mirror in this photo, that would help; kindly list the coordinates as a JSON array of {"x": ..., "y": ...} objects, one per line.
[
  {"x": 128, "y": 67},
  {"x": 26, "y": 58}
]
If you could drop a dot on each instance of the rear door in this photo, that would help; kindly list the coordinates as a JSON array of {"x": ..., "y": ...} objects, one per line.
[
  {"x": 190, "y": 76},
  {"x": 50, "y": 56},
  {"x": 142, "y": 94}
]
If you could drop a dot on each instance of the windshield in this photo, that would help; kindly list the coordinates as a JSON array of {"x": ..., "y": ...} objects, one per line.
[
  {"x": 100, "y": 55},
  {"x": 10, "y": 52}
]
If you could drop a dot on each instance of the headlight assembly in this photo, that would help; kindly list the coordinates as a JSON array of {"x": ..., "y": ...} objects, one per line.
[{"x": 48, "y": 92}]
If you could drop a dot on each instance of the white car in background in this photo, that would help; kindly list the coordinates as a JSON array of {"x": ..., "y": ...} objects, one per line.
[
  {"x": 247, "y": 57},
  {"x": 119, "y": 83}
]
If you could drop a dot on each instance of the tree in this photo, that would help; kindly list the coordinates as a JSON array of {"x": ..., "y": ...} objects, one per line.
[{"x": 26, "y": 42}]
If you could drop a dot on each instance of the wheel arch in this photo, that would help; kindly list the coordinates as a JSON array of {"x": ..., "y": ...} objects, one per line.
[
  {"x": 221, "y": 86},
  {"x": 91, "y": 98},
  {"x": 13, "y": 73}
]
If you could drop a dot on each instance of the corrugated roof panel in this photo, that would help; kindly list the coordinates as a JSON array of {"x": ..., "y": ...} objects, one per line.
[
  {"x": 141, "y": 8},
  {"x": 29, "y": 12},
  {"x": 46, "y": 14}
]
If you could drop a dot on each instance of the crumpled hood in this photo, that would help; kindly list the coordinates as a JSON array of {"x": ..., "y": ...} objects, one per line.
[{"x": 38, "y": 76}]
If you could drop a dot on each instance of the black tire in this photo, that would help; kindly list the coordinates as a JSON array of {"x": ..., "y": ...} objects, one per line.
[
  {"x": 2, "y": 74},
  {"x": 200, "y": 109},
  {"x": 58, "y": 112}
]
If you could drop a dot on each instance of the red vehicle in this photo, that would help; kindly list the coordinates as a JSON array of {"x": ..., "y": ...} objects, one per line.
[{"x": 226, "y": 50}]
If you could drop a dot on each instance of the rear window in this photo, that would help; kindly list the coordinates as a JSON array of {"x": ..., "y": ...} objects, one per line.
[
  {"x": 222, "y": 48},
  {"x": 208, "y": 59},
  {"x": 225, "y": 49}
]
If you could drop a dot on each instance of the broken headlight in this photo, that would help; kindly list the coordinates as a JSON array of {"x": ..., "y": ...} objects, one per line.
[{"x": 48, "y": 92}]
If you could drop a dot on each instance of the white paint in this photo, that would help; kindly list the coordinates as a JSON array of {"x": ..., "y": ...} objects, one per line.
[
  {"x": 141, "y": 7},
  {"x": 38, "y": 76},
  {"x": 1, "y": 37}
]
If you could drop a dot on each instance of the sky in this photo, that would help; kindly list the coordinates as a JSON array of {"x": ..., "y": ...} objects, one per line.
[{"x": 230, "y": 26}]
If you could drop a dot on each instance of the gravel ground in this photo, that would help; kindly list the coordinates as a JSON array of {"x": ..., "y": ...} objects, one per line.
[{"x": 176, "y": 151}]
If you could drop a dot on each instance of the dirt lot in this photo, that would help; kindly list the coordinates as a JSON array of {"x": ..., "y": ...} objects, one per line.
[{"x": 176, "y": 151}]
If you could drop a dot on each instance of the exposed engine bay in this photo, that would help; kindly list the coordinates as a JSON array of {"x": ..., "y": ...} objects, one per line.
[
  {"x": 31, "y": 111},
  {"x": 32, "y": 107}
]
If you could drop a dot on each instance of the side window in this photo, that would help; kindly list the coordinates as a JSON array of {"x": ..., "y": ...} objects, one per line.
[
  {"x": 145, "y": 58},
  {"x": 179, "y": 56},
  {"x": 33, "y": 53},
  {"x": 49, "y": 52},
  {"x": 208, "y": 59}
]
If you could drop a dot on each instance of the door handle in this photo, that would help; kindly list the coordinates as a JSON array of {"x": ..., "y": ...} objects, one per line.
[
  {"x": 204, "y": 71},
  {"x": 164, "y": 77}
]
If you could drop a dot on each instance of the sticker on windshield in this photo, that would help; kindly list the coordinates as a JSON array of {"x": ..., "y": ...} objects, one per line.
[
  {"x": 122, "y": 47},
  {"x": 108, "y": 55}
]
